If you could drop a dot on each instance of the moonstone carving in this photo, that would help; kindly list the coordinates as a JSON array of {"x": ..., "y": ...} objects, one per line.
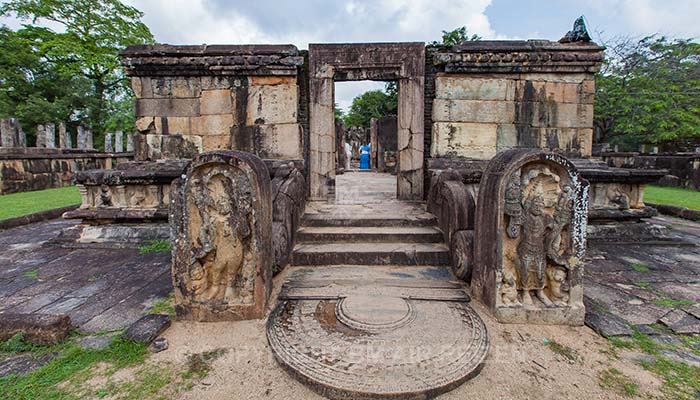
[
  {"x": 531, "y": 237},
  {"x": 221, "y": 229}
]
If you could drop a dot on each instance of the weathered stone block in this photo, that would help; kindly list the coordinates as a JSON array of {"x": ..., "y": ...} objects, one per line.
[
  {"x": 272, "y": 100},
  {"x": 459, "y": 139},
  {"x": 530, "y": 238},
  {"x": 473, "y": 111},
  {"x": 468, "y": 87},
  {"x": 173, "y": 147},
  {"x": 221, "y": 224},
  {"x": 212, "y": 125},
  {"x": 217, "y": 102},
  {"x": 216, "y": 142},
  {"x": 147, "y": 328},
  {"x": 176, "y": 125},
  {"x": 168, "y": 107},
  {"x": 506, "y": 137},
  {"x": 176, "y": 87},
  {"x": 39, "y": 329},
  {"x": 281, "y": 141}
]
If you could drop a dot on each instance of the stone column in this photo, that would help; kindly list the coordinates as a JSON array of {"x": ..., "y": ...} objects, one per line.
[
  {"x": 7, "y": 133},
  {"x": 63, "y": 136},
  {"x": 130, "y": 141},
  {"x": 21, "y": 136},
  {"x": 88, "y": 140},
  {"x": 322, "y": 141},
  {"x": 373, "y": 143},
  {"x": 109, "y": 145},
  {"x": 409, "y": 127},
  {"x": 82, "y": 138},
  {"x": 119, "y": 141},
  {"x": 50, "y": 136},
  {"x": 40, "y": 136}
]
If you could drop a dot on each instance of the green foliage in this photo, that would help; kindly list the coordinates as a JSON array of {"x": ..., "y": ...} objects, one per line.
[
  {"x": 32, "y": 273},
  {"x": 15, "y": 345},
  {"x": 337, "y": 112},
  {"x": 18, "y": 204},
  {"x": 164, "y": 306},
  {"x": 368, "y": 105},
  {"x": 155, "y": 246},
  {"x": 648, "y": 91},
  {"x": 74, "y": 74},
  {"x": 455, "y": 36},
  {"x": 640, "y": 268},
  {"x": 673, "y": 196}
]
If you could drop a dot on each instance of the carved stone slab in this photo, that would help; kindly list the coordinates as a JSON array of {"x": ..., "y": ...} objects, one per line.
[
  {"x": 221, "y": 236},
  {"x": 530, "y": 238},
  {"x": 372, "y": 332}
]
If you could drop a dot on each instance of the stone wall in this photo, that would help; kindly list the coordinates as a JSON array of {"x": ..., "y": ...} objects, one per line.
[
  {"x": 191, "y": 99},
  {"x": 491, "y": 96},
  {"x": 27, "y": 169},
  {"x": 683, "y": 170}
]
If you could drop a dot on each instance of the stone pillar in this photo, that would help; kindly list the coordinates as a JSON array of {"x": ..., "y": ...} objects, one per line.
[
  {"x": 322, "y": 142},
  {"x": 88, "y": 140},
  {"x": 373, "y": 143},
  {"x": 81, "y": 138},
  {"x": 119, "y": 141},
  {"x": 63, "y": 136},
  {"x": 8, "y": 137},
  {"x": 50, "y": 136},
  {"x": 40, "y": 136},
  {"x": 221, "y": 224},
  {"x": 530, "y": 238},
  {"x": 21, "y": 136},
  {"x": 109, "y": 142},
  {"x": 409, "y": 126},
  {"x": 130, "y": 141}
]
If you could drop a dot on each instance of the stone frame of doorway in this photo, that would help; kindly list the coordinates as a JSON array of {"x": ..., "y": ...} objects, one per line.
[{"x": 401, "y": 62}]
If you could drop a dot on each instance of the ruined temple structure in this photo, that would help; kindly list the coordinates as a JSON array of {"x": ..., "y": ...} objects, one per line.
[{"x": 495, "y": 186}]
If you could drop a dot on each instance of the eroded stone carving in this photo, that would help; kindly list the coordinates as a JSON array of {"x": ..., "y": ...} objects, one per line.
[
  {"x": 221, "y": 223},
  {"x": 527, "y": 257}
]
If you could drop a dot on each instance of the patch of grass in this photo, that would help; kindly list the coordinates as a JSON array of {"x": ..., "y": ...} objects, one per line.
[
  {"x": 32, "y": 274},
  {"x": 615, "y": 380},
  {"x": 640, "y": 268},
  {"x": 155, "y": 246},
  {"x": 672, "y": 303},
  {"x": 198, "y": 365},
  {"x": 19, "y": 204},
  {"x": 643, "y": 285},
  {"x": 43, "y": 384},
  {"x": 15, "y": 345},
  {"x": 147, "y": 382},
  {"x": 164, "y": 306},
  {"x": 673, "y": 196},
  {"x": 681, "y": 381},
  {"x": 564, "y": 351}
]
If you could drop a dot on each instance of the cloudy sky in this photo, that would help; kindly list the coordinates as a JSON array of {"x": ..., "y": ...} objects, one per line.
[{"x": 302, "y": 22}]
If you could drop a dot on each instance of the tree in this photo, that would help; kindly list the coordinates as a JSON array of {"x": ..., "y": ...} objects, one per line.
[
  {"x": 85, "y": 51},
  {"x": 368, "y": 105},
  {"x": 455, "y": 36},
  {"x": 648, "y": 91}
]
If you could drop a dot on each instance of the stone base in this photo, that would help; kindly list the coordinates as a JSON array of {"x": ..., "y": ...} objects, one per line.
[
  {"x": 113, "y": 235},
  {"x": 570, "y": 315},
  {"x": 629, "y": 232},
  {"x": 225, "y": 312}
]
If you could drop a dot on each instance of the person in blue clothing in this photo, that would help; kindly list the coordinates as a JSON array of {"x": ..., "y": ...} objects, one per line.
[{"x": 364, "y": 156}]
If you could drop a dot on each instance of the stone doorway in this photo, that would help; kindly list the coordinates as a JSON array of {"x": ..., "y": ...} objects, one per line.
[{"x": 401, "y": 62}]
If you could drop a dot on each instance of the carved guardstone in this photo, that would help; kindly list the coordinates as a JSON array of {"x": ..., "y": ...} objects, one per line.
[
  {"x": 221, "y": 236},
  {"x": 530, "y": 237}
]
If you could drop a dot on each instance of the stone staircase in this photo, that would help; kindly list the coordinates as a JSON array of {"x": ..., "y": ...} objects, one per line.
[{"x": 350, "y": 235}]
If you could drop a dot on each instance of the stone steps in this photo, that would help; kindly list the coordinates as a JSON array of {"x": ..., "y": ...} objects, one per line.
[
  {"x": 368, "y": 220},
  {"x": 355, "y": 234},
  {"x": 371, "y": 253}
]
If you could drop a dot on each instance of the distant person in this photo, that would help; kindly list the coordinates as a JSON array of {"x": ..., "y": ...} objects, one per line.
[
  {"x": 348, "y": 155},
  {"x": 364, "y": 156}
]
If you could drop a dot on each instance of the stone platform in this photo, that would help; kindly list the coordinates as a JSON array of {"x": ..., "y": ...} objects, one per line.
[{"x": 370, "y": 309}]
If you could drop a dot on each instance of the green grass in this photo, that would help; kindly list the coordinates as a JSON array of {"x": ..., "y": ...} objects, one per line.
[
  {"x": 31, "y": 273},
  {"x": 156, "y": 246},
  {"x": 564, "y": 351},
  {"x": 680, "y": 381},
  {"x": 164, "y": 306},
  {"x": 615, "y": 380},
  {"x": 673, "y": 196},
  {"x": 672, "y": 303},
  {"x": 19, "y": 204},
  {"x": 640, "y": 268}
]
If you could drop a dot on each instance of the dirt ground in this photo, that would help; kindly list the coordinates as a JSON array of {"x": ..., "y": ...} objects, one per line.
[{"x": 520, "y": 365}]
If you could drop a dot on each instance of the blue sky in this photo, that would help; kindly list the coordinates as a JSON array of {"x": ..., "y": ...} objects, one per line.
[{"x": 302, "y": 22}]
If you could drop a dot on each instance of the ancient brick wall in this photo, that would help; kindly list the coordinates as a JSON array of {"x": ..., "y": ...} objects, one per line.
[
  {"x": 28, "y": 169},
  {"x": 492, "y": 96},
  {"x": 191, "y": 99}
]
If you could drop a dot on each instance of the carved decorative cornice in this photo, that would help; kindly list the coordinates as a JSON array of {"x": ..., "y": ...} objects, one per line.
[
  {"x": 169, "y": 60},
  {"x": 517, "y": 57}
]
